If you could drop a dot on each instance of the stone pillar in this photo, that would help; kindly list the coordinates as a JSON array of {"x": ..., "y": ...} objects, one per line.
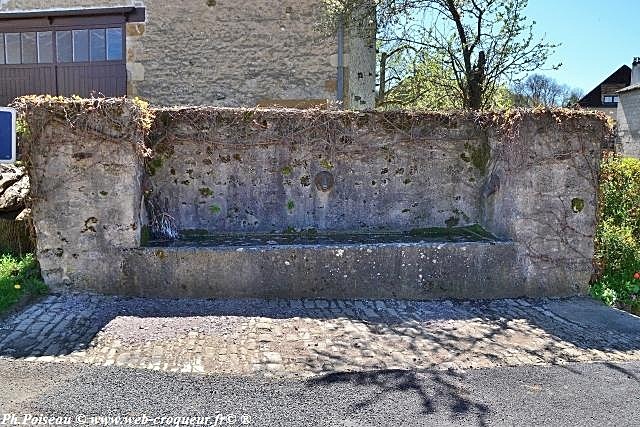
[
  {"x": 541, "y": 192},
  {"x": 86, "y": 193}
]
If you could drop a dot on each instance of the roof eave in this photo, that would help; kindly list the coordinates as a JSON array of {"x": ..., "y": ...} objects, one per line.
[
  {"x": 133, "y": 11},
  {"x": 629, "y": 88}
]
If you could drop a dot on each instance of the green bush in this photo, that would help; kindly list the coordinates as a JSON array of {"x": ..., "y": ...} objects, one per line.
[
  {"x": 19, "y": 277},
  {"x": 618, "y": 233}
]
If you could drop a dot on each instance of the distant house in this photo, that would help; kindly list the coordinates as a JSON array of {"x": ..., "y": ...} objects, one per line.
[
  {"x": 604, "y": 97},
  {"x": 628, "y": 115},
  {"x": 217, "y": 52}
]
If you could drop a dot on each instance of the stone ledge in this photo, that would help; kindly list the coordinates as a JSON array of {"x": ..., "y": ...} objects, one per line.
[{"x": 421, "y": 271}]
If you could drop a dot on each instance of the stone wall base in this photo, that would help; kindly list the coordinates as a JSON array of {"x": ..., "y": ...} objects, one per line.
[{"x": 398, "y": 270}]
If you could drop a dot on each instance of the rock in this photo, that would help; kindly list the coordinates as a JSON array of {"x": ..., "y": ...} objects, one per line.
[
  {"x": 25, "y": 215},
  {"x": 15, "y": 229},
  {"x": 10, "y": 174},
  {"x": 8, "y": 179},
  {"x": 13, "y": 197}
]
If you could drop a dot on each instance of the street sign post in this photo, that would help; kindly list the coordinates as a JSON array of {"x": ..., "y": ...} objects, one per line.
[{"x": 7, "y": 135}]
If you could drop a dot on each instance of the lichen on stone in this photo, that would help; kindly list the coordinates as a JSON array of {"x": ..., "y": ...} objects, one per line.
[
  {"x": 205, "y": 192},
  {"x": 326, "y": 164}
]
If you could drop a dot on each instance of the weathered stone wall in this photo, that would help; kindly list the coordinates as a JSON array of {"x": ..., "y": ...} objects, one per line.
[
  {"x": 541, "y": 192},
  {"x": 528, "y": 178},
  {"x": 86, "y": 193},
  {"x": 229, "y": 53},
  {"x": 258, "y": 172},
  {"x": 245, "y": 171}
]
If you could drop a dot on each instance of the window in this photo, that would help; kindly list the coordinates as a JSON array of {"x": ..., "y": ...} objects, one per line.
[
  {"x": 64, "y": 46},
  {"x": 98, "y": 45},
  {"x": 610, "y": 99},
  {"x": 114, "y": 44},
  {"x": 83, "y": 45},
  {"x": 45, "y": 47},
  {"x": 80, "y": 45},
  {"x": 12, "y": 48},
  {"x": 616, "y": 99},
  {"x": 29, "y": 48}
]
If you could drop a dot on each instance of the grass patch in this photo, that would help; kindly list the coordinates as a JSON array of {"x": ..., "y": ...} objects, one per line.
[{"x": 19, "y": 277}]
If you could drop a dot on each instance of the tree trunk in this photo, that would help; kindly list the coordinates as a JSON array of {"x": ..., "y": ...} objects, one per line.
[
  {"x": 476, "y": 82},
  {"x": 382, "y": 92},
  {"x": 475, "y": 95}
]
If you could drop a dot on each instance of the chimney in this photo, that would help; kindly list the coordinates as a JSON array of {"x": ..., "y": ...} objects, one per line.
[{"x": 635, "y": 71}]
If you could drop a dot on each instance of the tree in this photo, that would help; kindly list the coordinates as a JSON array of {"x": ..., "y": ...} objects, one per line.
[
  {"x": 421, "y": 87},
  {"x": 572, "y": 97},
  {"x": 429, "y": 84},
  {"x": 483, "y": 44},
  {"x": 538, "y": 90}
]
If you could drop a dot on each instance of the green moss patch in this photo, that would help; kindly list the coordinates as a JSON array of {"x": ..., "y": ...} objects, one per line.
[
  {"x": 479, "y": 155},
  {"x": 145, "y": 235},
  {"x": 577, "y": 205},
  {"x": 287, "y": 170},
  {"x": 471, "y": 232}
]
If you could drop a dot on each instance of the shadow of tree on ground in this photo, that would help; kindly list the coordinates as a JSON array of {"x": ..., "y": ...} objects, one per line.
[
  {"x": 335, "y": 336},
  {"x": 436, "y": 390}
]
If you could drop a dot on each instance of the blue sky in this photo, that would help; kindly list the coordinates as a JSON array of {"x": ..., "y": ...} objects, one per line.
[{"x": 597, "y": 36}]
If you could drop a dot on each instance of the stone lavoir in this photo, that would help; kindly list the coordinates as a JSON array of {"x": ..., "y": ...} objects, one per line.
[{"x": 215, "y": 202}]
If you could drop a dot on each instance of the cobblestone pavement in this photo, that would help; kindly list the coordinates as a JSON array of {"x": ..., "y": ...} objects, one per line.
[{"x": 309, "y": 337}]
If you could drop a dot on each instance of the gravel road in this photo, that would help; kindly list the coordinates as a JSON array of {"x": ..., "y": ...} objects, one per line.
[{"x": 573, "y": 394}]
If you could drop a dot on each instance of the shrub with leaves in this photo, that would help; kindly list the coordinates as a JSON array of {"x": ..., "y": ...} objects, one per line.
[{"x": 618, "y": 233}]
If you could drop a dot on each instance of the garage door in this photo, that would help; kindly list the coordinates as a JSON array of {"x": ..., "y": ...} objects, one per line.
[{"x": 63, "y": 55}]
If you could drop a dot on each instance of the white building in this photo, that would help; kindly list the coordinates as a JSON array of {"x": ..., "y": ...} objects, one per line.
[{"x": 628, "y": 115}]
